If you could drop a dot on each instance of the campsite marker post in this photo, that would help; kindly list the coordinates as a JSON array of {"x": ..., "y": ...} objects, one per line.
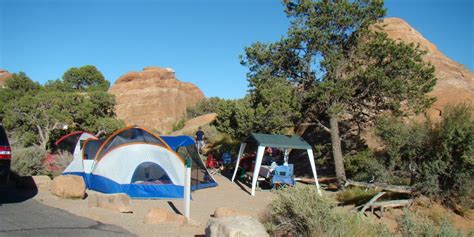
[{"x": 187, "y": 187}]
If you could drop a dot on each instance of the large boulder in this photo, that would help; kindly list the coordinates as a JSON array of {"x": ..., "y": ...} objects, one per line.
[
  {"x": 153, "y": 98},
  {"x": 240, "y": 226},
  {"x": 222, "y": 212},
  {"x": 158, "y": 215},
  {"x": 455, "y": 82},
  {"x": 68, "y": 186},
  {"x": 119, "y": 202}
]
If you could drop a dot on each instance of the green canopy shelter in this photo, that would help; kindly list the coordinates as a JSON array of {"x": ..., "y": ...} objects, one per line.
[{"x": 278, "y": 141}]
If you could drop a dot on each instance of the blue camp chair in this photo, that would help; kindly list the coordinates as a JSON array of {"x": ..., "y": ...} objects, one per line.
[
  {"x": 226, "y": 158},
  {"x": 226, "y": 161},
  {"x": 283, "y": 175}
]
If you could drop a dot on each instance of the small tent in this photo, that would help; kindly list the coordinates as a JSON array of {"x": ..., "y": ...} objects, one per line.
[
  {"x": 185, "y": 147},
  {"x": 139, "y": 163},
  {"x": 278, "y": 141},
  {"x": 73, "y": 143}
]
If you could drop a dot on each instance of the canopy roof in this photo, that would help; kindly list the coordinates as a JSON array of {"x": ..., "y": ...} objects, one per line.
[
  {"x": 178, "y": 141},
  {"x": 279, "y": 141}
]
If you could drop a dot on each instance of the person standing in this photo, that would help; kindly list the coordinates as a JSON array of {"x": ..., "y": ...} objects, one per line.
[{"x": 200, "y": 140}]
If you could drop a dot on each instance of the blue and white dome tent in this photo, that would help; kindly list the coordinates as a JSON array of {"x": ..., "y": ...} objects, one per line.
[{"x": 139, "y": 163}]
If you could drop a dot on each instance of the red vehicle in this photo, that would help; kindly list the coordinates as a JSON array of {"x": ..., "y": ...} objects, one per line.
[{"x": 5, "y": 156}]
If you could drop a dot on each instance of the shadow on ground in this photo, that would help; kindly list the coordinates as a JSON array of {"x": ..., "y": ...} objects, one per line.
[{"x": 18, "y": 189}]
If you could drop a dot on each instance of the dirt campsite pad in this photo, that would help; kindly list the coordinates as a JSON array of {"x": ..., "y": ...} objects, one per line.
[{"x": 204, "y": 203}]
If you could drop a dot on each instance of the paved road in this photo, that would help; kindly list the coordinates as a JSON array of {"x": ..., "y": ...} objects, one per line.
[{"x": 31, "y": 218}]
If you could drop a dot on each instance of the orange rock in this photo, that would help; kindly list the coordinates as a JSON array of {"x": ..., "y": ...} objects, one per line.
[
  {"x": 153, "y": 98},
  {"x": 4, "y": 75},
  {"x": 68, "y": 186},
  {"x": 455, "y": 82},
  {"x": 158, "y": 215}
]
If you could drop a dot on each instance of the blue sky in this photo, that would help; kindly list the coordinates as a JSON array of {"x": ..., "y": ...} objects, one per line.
[{"x": 201, "y": 40}]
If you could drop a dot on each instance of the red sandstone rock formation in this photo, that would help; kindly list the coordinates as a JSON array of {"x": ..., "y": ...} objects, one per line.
[
  {"x": 153, "y": 98},
  {"x": 4, "y": 75},
  {"x": 455, "y": 82}
]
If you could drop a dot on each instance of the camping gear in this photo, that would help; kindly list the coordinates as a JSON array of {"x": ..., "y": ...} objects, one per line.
[
  {"x": 283, "y": 175},
  {"x": 141, "y": 164},
  {"x": 278, "y": 141}
]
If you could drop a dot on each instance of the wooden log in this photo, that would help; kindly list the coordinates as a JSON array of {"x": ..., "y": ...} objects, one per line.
[
  {"x": 371, "y": 201},
  {"x": 383, "y": 186}
]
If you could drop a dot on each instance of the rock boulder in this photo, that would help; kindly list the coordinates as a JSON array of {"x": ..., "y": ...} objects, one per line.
[
  {"x": 235, "y": 227},
  {"x": 161, "y": 216},
  {"x": 455, "y": 82},
  {"x": 153, "y": 98},
  {"x": 119, "y": 202},
  {"x": 68, "y": 186}
]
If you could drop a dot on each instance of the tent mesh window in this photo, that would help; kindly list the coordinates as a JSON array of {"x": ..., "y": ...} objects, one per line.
[
  {"x": 91, "y": 147},
  {"x": 199, "y": 174},
  {"x": 67, "y": 144},
  {"x": 129, "y": 136},
  {"x": 150, "y": 173}
]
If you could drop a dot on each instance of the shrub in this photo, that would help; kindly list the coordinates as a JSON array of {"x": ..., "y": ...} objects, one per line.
[
  {"x": 446, "y": 170},
  {"x": 60, "y": 162},
  {"x": 437, "y": 157},
  {"x": 205, "y": 106},
  {"x": 27, "y": 161},
  {"x": 179, "y": 125},
  {"x": 412, "y": 224},
  {"x": 365, "y": 166},
  {"x": 301, "y": 211}
]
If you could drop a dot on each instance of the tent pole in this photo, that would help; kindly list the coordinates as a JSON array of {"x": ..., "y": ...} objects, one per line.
[
  {"x": 241, "y": 152},
  {"x": 256, "y": 170},
  {"x": 313, "y": 168}
]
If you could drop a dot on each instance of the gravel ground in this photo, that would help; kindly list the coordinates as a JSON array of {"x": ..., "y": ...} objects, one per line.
[{"x": 203, "y": 204}]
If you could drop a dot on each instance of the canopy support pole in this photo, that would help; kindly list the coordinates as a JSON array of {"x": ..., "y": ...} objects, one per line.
[
  {"x": 256, "y": 170},
  {"x": 313, "y": 168},
  {"x": 241, "y": 152}
]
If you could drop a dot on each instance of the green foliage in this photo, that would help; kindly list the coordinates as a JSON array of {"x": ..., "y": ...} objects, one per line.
[
  {"x": 235, "y": 117},
  {"x": 365, "y": 166},
  {"x": 28, "y": 161},
  {"x": 86, "y": 78},
  {"x": 446, "y": 169},
  {"x": 301, "y": 211},
  {"x": 412, "y": 224},
  {"x": 271, "y": 108},
  {"x": 179, "y": 125},
  {"x": 438, "y": 157},
  {"x": 35, "y": 113},
  {"x": 15, "y": 87},
  {"x": 205, "y": 106}
]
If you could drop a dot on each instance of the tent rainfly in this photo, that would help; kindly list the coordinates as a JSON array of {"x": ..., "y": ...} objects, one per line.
[{"x": 278, "y": 141}]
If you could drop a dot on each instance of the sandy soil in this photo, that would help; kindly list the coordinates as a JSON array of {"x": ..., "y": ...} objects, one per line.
[{"x": 204, "y": 202}]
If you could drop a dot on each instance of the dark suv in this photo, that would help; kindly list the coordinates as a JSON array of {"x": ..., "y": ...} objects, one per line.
[{"x": 5, "y": 156}]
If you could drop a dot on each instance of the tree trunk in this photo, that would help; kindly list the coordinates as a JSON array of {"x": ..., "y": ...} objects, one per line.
[{"x": 337, "y": 151}]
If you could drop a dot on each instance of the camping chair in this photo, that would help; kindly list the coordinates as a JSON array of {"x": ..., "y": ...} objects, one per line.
[
  {"x": 226, "y": 160},
  {"x": 212, "y": 165},
  {"x": 283, "y": 175}
]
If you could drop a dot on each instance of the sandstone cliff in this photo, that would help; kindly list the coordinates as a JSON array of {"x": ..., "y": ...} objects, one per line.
[
  {"x": 455, "y": 82},
  {"x": 153, "y": 98},
  {"x": 4, "y": 75}
]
